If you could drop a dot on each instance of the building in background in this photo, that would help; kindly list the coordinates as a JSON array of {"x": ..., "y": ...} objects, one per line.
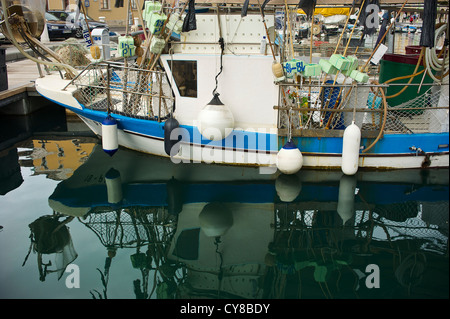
[{"x": 113, "y": 12}]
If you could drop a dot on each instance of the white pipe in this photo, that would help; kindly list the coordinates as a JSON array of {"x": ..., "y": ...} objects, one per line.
[{"x": 17, "y": 45}]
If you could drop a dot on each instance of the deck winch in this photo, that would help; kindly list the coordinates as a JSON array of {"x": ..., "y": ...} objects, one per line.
[{"x": 25, "y": 18}]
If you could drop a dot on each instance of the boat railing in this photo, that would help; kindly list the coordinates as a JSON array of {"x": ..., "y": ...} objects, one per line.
[
  {"x": 116, "y": 88},
  {"x": 326, "y": 110}
]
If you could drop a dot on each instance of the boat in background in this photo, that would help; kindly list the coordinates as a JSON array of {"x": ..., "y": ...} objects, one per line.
[
  {"x": 276, "y": 111},
  {"x": 409, "y": 29}
]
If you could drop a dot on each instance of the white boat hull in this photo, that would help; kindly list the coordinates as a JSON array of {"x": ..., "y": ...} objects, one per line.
[{"x": 195, "y": 153}]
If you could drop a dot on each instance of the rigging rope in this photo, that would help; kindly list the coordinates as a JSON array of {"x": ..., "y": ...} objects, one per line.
[{"x": 222, "y": 48}]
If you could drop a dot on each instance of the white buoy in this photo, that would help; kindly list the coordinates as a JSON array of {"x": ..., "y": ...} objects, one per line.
[
  {"x": 215, "y": 219},
  {"x": 288, "y": 187},
  {"x": 113, "y": 186},
  {"x": 346, "y": 199},
  {"x": 110, "y": 142},
  {"x": 215, "y": 120},
  {"x": 289, "y": 158},
  {"x": 350, "y": 149}
]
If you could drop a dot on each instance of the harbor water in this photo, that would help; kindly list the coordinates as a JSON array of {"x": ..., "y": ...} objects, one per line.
[{"x": 76, "y": 223}]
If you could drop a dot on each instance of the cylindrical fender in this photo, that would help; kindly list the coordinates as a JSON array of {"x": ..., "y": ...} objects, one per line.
[
  {"x": 169, "y": 126},
  {"x": 350, "y": 149}
]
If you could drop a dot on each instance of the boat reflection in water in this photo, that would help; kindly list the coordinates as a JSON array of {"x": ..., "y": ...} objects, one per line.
[{"x": 228, "y": 232}]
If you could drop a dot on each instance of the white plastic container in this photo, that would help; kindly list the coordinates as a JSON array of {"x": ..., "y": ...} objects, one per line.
[
  {"x": 100, "y": 36},
  {"x": 262, "y": 48}
]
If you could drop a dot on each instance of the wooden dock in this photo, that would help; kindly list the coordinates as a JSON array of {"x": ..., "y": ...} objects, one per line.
[{"x": 21, "y": 76}]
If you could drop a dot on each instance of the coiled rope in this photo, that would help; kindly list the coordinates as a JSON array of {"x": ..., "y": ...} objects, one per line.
[{"x": 432, "y": 60}]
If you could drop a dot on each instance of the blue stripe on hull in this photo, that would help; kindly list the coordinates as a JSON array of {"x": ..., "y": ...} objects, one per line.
[
  {"x": 237, "y": 139},
  {"x": 389, "y": 144},
  {"x": 400, "y": 143}
]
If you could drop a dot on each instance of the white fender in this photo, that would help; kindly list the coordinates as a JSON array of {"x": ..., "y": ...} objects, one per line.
[
  {"x": 350, "y": 149},
  {"x": 110, "y": 140},
  {"x": 289, "y": 158}
]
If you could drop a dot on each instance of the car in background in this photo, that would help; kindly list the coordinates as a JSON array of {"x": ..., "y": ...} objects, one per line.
[
  {"x": 57, "y": 28},
  {"x": 70, "y": 18},
  {"x": 60, "y": 14}
]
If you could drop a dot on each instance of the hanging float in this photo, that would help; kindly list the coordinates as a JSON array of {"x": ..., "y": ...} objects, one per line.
[
  {"x": 277, "y": 70},
  {"x": 215, "y": 120},
  {"x": 289, "y": 158}
]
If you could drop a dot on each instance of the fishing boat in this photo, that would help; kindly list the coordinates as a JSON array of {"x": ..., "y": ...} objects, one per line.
[
  {"x": 409, "y": 29},
  {"x": 229, "y": 90}
]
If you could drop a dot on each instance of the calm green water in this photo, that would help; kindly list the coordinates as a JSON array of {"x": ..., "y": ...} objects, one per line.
[{"x": 76, "y": 223}]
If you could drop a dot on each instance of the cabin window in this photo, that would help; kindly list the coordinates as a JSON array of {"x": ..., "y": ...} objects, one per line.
[{"x": 185, "y": 76}]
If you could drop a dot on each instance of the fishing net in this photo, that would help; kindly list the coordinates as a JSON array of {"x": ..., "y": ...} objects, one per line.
[
  {"x": 331, "y": 107},
  {"x": 425, "y": 113},
  {"x": 129, "y": 91},
  {"x": 73, "y": 53}
]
